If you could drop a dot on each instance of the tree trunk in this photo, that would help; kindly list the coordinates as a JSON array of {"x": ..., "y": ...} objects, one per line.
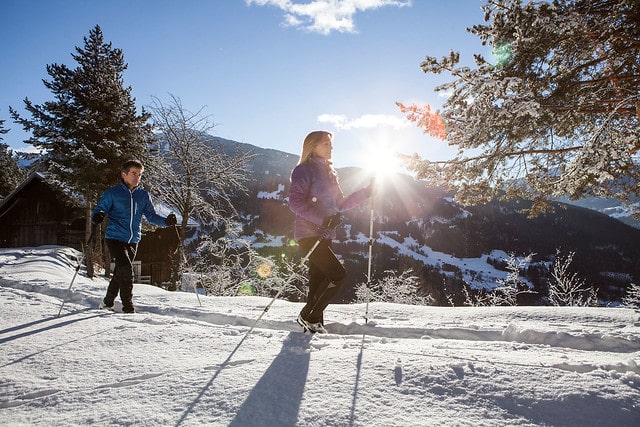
[
  {"x": 87, "y": 246},
  {"x": 177, "y": 261}
]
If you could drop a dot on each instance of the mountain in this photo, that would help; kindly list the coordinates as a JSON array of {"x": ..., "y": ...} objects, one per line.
[
  {"x": 611, "y": 207},
  {"x": 447, "y": 245}
]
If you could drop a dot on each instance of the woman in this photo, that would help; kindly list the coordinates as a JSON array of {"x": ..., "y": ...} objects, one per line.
[{"x": 316, "y": 199}]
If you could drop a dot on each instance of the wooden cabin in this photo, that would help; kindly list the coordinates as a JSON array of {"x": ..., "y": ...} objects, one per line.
[{"x": 36, "y": 214}]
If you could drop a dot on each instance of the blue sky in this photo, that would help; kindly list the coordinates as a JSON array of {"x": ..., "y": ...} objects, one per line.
[{"x": 266, "y": 71}]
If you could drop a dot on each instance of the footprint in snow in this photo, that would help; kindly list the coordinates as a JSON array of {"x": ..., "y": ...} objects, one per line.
[
  {"x": 229, "y": 364},
  {"x": 26, "y": 398},
  {"x": 397, "y": 372},
  {"x": 130, "y": 381}
]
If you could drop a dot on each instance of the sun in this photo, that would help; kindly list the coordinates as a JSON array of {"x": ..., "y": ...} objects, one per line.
[{"x": 382, "y": 160}]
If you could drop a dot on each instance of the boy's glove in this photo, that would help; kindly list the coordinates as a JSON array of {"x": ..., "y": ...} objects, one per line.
[
  {"x": 171, "y": 220},
  {"x": 97, "y": 218},
  {"x": 331, "y": 222}
]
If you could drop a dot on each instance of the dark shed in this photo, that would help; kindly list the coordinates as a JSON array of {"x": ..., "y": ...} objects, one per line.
[{"x": 37, "y": 214}]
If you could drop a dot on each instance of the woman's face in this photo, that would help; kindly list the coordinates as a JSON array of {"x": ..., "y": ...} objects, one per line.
[{"x": 324, "y": 148}]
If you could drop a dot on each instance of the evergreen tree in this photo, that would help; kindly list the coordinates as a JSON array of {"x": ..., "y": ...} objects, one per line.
[
  {"x": 92, "y": 127},
  {"x": 3, "y": 130},
  {"x": 632, "y": 298},
  {"x": 10, "y": 172},
  {"x": 555, "y": 112}
]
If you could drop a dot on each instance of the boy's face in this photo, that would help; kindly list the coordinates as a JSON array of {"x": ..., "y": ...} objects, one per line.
[{"x": 132, "y": 177}]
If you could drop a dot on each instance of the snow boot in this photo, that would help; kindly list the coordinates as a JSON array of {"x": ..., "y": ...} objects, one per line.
[
  {"x": 311, "y": 327},
  {"x": 128, "y": 309},
  {"x": 104, "y": 306}
]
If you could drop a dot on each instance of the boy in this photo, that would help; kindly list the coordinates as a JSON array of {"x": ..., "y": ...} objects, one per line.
[{"x": 125, "y": 204}]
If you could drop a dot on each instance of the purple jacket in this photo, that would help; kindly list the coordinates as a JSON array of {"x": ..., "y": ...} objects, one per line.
[{"x": 315, "y": 194}]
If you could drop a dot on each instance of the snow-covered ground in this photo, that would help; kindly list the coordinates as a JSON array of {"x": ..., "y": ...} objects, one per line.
[{"x": 179, "y": 363}]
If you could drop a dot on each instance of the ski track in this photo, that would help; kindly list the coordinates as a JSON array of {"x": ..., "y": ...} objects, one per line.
[
  {"x": 358, "y": 334},
  {"x": 512, "y": 333},
  {"x": 27, "y": 398}
]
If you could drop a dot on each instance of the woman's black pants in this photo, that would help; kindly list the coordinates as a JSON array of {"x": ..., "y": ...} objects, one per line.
[{"x": 326, "y": 277}]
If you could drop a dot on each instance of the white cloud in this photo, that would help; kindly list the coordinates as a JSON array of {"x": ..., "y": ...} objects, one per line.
[
  {"x": 366, "y": 121},
  {"x": 325, "y": 16}
]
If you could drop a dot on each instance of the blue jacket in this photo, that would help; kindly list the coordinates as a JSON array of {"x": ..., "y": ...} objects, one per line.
[
  {"x": 125, "y": 208},
  {"x": 315, "y": 194}
]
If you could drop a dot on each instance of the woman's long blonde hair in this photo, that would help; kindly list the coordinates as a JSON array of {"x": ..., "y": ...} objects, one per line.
[{"x": 311, "y": 142}]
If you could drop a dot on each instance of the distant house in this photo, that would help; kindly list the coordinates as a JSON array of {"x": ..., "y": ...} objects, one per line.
[{"x": 37, "y": 214}]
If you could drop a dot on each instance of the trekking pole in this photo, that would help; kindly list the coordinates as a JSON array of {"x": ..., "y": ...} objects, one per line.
[
  {"x": 186, "y": 265},
  {"x": 77, "y": 269},
  {"x": 366, "y": 312},
  {"x": 304, "y": 259}
]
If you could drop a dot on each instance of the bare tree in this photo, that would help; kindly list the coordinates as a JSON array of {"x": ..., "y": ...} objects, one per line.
[
  {"x": 566, "y": 288},
  {"x": 402, "y": 289},
  {"x": 510, "y": 287},
  {"x": 187, "y": 172},
  {"x": 228, "y": 266}
]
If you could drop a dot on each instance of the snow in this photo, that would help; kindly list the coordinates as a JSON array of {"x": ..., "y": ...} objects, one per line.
[
  {"x": 274, "y": 195},
  {"x": 260, "y": 239},
  {"x": 179, "y": 363},
  {"x": 477, "y": 272}
]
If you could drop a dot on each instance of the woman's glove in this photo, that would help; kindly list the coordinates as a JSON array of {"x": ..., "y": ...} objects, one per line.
[{"x": 331, "y": 222}]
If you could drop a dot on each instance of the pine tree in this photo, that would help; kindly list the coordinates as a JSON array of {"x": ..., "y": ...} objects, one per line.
[
  {"x": 556, "y": 112},
  {"x": 92, "y": 127},
  {"x": 10, "y": 172},
  {"x": 632, "y": 298}
]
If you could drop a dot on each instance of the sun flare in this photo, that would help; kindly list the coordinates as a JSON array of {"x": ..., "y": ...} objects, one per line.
[{"x": 382, "y": 160}]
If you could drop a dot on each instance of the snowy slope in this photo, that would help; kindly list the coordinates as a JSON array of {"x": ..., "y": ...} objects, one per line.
[{"x": 180, "y": 363}]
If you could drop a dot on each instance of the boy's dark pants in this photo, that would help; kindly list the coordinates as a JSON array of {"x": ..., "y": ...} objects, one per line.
[{"x": 122, "y": 280}]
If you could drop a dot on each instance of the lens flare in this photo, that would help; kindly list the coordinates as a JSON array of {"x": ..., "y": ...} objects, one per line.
[
  {"x": 246, "y": 289},
  {"x": 264, "y": 270},
  {"x": 502, "y": 52}
]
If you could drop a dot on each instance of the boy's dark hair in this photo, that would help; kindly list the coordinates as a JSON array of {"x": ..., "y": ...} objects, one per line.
[{"x": 132, "y": 164}]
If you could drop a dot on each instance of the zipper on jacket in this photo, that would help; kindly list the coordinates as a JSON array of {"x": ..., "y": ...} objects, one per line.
[{"x": 131, "y": 217}]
